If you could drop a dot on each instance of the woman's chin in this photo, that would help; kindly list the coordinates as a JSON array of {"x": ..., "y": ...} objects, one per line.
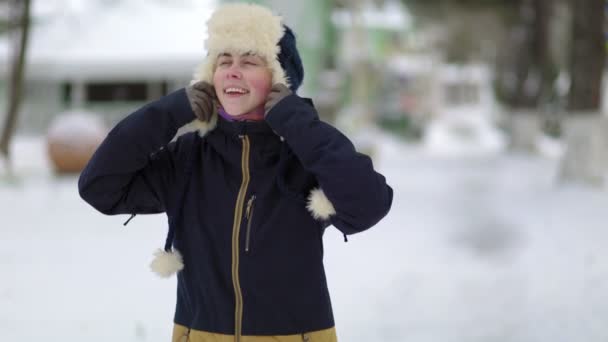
[{"x": 236, "y": 111}]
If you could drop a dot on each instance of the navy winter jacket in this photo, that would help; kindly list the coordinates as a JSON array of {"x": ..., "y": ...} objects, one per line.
[{"x": 250, "y": 238}]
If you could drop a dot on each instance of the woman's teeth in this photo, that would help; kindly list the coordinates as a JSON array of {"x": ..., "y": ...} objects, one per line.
[{"x": 235, "y": 91}]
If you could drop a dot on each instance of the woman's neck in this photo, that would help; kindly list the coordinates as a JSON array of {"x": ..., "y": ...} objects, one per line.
[{"x": 255, "y": 115}]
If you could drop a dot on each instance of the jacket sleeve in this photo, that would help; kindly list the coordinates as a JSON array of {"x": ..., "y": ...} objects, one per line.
[
  {"x": 134, "y": 168},
  {"x": 359, "y": 195}
]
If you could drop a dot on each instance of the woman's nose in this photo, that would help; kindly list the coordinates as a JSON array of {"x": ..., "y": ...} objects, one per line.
[{"x": 234, "y": 72}]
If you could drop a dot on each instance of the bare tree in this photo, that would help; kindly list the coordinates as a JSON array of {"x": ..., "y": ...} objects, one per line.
[
  {"x": 527, "y": 69},
  {"x": 535, "y": 69},
  {"x": 588, "y": 55},
  {"x": 586, "y": 128},
  {"x": 20, "y": 18}
]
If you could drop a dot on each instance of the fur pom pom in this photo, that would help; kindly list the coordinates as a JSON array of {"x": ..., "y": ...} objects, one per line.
[
  {"x": 165, "y": 264},
  {"x": 319, "y": 205}
]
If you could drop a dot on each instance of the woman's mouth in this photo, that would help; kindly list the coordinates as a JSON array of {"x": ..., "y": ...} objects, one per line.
[{"x": 235, "y": 91}]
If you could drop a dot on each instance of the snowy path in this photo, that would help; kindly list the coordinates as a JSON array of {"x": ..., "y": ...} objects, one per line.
[{"x": 473, "y": 250}]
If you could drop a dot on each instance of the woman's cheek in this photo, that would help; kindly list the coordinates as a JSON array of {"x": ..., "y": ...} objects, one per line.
[
  {"x": 261, "y": 87},
  {"x": 217, "y": 85}
]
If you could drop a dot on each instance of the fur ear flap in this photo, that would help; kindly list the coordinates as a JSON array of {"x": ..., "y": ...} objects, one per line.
[
  {"x": 197, "y": 125},
  {"x": 319, "y": 205},
  {"x": 165, "y": 264}
]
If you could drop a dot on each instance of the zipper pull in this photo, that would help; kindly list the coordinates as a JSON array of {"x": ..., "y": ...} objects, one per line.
[
  {"x": 249, "y": 205},
  {"x": 129, "y": 220},
  {"x": 249, "y": 216}
]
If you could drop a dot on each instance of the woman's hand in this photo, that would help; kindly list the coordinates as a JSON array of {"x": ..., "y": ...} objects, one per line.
[
  {"x": 278, "y": 92},
  {"x": 203, "y": 100}
]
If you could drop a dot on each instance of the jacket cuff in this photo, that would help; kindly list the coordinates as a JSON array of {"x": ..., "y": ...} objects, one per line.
[
  {"x": 178, "y": 105},
  {"x": 289, "y": 112}
]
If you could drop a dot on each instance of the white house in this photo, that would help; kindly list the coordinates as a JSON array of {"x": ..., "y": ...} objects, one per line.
[{"x": 108, "y": 56}]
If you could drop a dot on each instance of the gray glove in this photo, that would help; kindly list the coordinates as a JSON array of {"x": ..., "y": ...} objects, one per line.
[
  {"x": 278, "y": 92},
  {"x": 203, "y": 100}
]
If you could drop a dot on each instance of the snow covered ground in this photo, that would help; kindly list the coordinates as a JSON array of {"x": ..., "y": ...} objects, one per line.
[{"x": 475, "y": 249}]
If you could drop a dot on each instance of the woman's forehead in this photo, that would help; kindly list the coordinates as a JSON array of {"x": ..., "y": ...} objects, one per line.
[{"x": 243, "y": 54}]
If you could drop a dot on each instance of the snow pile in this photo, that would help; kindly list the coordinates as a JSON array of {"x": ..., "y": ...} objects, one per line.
[
  {"x": 464, "y": 135},
  {"x": 75, "y": 127},
  {"x": 549, "y": 147}
]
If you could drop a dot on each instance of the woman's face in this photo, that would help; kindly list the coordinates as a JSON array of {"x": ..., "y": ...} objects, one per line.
[{"x": 242, "y": 83}]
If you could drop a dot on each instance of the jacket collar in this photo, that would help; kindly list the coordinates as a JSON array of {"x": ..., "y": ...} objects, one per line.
[{"x": 236, "y": 128}]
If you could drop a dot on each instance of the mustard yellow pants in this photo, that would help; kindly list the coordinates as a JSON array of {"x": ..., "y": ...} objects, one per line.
[{"x": 183, "y": 334}]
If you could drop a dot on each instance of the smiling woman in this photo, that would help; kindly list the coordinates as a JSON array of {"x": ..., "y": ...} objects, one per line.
[{"x": 249, "y": 195}]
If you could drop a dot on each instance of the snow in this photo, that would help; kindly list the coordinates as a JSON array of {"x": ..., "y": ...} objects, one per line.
[
  {"x": 482, "y": 248},
  {"x": 549, "y": 147},
  {"x": 390, "y": 16},
  {"x": 412, "y": 64},
  {"x": 463, "y": 135},
  {"x": 474, "y": 72}
]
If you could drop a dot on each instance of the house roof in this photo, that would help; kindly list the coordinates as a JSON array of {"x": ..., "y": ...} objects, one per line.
[{"x": 107, "y": 39}]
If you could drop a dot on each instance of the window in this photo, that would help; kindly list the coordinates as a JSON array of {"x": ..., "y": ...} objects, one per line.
[
  {"x": 66, "y": 93},
  {"x": 462, "y": 94},
  {"x": 117, "y": 92}
]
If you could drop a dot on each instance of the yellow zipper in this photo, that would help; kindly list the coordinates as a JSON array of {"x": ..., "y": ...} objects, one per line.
[{"x": 238, "y": 214}]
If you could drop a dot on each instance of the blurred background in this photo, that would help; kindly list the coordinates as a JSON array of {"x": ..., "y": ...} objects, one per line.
[{"x": 488, "y": 118}]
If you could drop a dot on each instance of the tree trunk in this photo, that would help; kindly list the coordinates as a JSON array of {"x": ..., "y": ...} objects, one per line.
[
  {"x": 586, "y": 157},
  {"x": 524, "y": 126},
  {"x": 534, "y": 71},
  {"x": 22, "y": 15},
  {"x": 585, "y": 160},
  {"x": 587, "y": 55},
  {"x": 528, "y": 66}
]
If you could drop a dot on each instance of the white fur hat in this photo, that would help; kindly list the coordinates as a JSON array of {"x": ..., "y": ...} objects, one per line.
[{"x": 240, "y": 28}]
